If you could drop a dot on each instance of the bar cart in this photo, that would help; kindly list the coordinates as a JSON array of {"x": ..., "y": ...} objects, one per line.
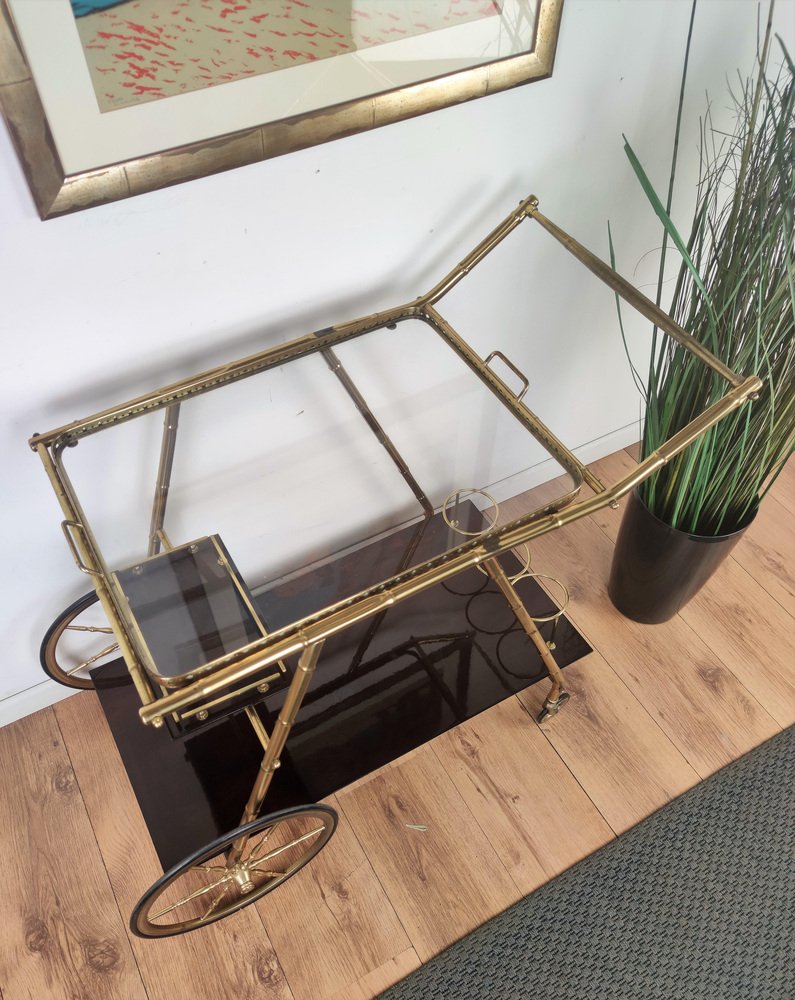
[{"x": 189, "y": 623}]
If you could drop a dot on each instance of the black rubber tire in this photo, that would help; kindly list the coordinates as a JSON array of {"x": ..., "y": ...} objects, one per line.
[
  {"x": 49, "y": 644},
  {"x": 141, "y": 926}
]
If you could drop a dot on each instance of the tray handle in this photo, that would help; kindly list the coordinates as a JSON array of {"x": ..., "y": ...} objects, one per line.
[
  {"x": 509, "y": 364},
  {"x": 66, "y": 527}
]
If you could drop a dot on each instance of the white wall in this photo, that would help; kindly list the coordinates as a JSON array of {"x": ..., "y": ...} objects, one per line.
[{"x": 98, "y": 306}]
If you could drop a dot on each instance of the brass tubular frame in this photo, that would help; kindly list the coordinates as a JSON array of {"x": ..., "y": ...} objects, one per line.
[
  {"x": 294, "y": 639},
  {"x": 213, "y": 679},
  {"x": 224, "y": 374},
  {"x": 89, "y": 553},
  {"x": 492, "y": 381},
  {"x": 257, "y": 725}
]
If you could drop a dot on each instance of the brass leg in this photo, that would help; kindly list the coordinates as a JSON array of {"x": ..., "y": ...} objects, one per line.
[
  {"x": 303, "y": 675},
  {"x": 557, "y": 696}
]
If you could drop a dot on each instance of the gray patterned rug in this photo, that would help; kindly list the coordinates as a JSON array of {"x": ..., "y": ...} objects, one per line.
[{"x": 695, "y": 903}]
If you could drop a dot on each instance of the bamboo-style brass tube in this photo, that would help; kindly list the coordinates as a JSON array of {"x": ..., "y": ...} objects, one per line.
[
  {"x": 170, "y": 423},
  {"x": 553, "y": 445},
  {"x": 257, "y": 655},
  {"x": 257, "y": 725},
  {"x": 275, "y": 744},
  {"x": 494, "y": 568},
  {"x": 474, "y": 257},
  {"x": 221, "y": 375}
]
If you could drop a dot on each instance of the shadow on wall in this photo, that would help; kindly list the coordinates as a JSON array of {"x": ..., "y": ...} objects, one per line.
[{"x": 438, "y": 250}]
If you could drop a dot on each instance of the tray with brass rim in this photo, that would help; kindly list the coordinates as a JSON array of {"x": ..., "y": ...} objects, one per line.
[{"x": 295, "y": 456}]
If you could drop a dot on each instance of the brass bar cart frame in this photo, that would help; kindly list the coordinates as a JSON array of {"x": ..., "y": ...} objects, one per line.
[{"x": 189, "y": 695}]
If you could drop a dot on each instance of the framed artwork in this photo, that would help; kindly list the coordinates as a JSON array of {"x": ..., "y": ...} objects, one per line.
[{"x": 105, "y": 99}]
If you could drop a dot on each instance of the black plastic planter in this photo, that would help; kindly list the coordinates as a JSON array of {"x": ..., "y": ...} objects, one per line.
[{"x": 657, "y": 569}]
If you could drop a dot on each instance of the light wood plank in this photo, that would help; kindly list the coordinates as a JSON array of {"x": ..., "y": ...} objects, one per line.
[
  {"x": 668, "y": 667},
  {"x": 332, "y": 924},
  {"x": 741, "y": 623},
  {"x": 62, "y": 934},
  {"x": 784, "y": 487},
  {"x": 610, "y": 737},
  {"x": 616, "y": 751},
  {"x": 752, "y": 634},
  {"x": 444, "y": 880},
  {"x": 231, "y": 958},
  {"x": 767, "y": 552},
  {"x": 381, "y": 979},
  {"x": 527, "y": 802}
]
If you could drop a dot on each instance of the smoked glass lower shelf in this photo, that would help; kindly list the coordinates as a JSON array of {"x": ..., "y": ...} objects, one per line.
[{"x": 382, "y": 688}]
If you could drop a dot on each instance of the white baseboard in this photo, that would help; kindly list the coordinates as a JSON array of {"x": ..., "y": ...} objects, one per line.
[
  {"x": 33, "y": 699},
  {"x": 590, "y": 451}
]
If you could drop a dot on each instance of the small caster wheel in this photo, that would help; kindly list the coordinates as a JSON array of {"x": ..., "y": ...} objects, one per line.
[{"x": 553, "y": 707}]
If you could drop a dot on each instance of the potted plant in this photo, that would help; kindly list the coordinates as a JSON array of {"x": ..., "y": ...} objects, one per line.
[{"x": 735, "y": 292}]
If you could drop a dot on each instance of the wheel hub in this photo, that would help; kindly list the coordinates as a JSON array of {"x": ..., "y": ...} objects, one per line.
[{"x": 242, "y": 878}]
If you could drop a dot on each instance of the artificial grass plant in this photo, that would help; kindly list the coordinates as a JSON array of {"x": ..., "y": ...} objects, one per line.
[{"x": 735, "y": 292}]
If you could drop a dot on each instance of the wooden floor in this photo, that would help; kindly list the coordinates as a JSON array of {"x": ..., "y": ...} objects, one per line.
[{"x": 507, "y": 804}]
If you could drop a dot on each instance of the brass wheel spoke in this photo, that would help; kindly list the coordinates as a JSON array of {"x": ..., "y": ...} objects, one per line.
[
  {"x": 193, "y": 895},
  {"x": 209, "y": 868},
  {"x": 91, "y": 659},
  {"x": 266, "y": 871},
  {"x": 214, "y": 905},
  {"x": 293, "y": 843},
  {"x": 89, "y": 628},
  {"x": 255, "y": 853}
]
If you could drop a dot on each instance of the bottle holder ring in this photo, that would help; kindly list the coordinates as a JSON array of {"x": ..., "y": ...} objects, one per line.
[
  {"x": 564, "y": 593},
  {"x": 464, "y": 494}
]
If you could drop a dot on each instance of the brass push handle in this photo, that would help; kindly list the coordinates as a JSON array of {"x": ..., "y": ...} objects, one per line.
[
  {"x": 65, "y": 527},
  {"x": 509, "y": 364}
]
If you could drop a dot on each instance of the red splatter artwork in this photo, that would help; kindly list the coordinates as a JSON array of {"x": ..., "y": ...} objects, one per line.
[{"x": 203, "y": 43}]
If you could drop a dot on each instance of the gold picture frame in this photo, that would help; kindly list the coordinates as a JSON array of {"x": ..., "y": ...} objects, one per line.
[{"x": 56, "y": 191}]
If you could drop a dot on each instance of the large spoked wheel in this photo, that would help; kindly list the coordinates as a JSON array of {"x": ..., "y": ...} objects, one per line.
[
  {"x": 78, "y": 639},
  {"x": 205, "y": 887}
]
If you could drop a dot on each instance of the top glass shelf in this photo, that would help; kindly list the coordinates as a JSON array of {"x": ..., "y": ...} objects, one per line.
[{"x": 303, "y": 463}]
